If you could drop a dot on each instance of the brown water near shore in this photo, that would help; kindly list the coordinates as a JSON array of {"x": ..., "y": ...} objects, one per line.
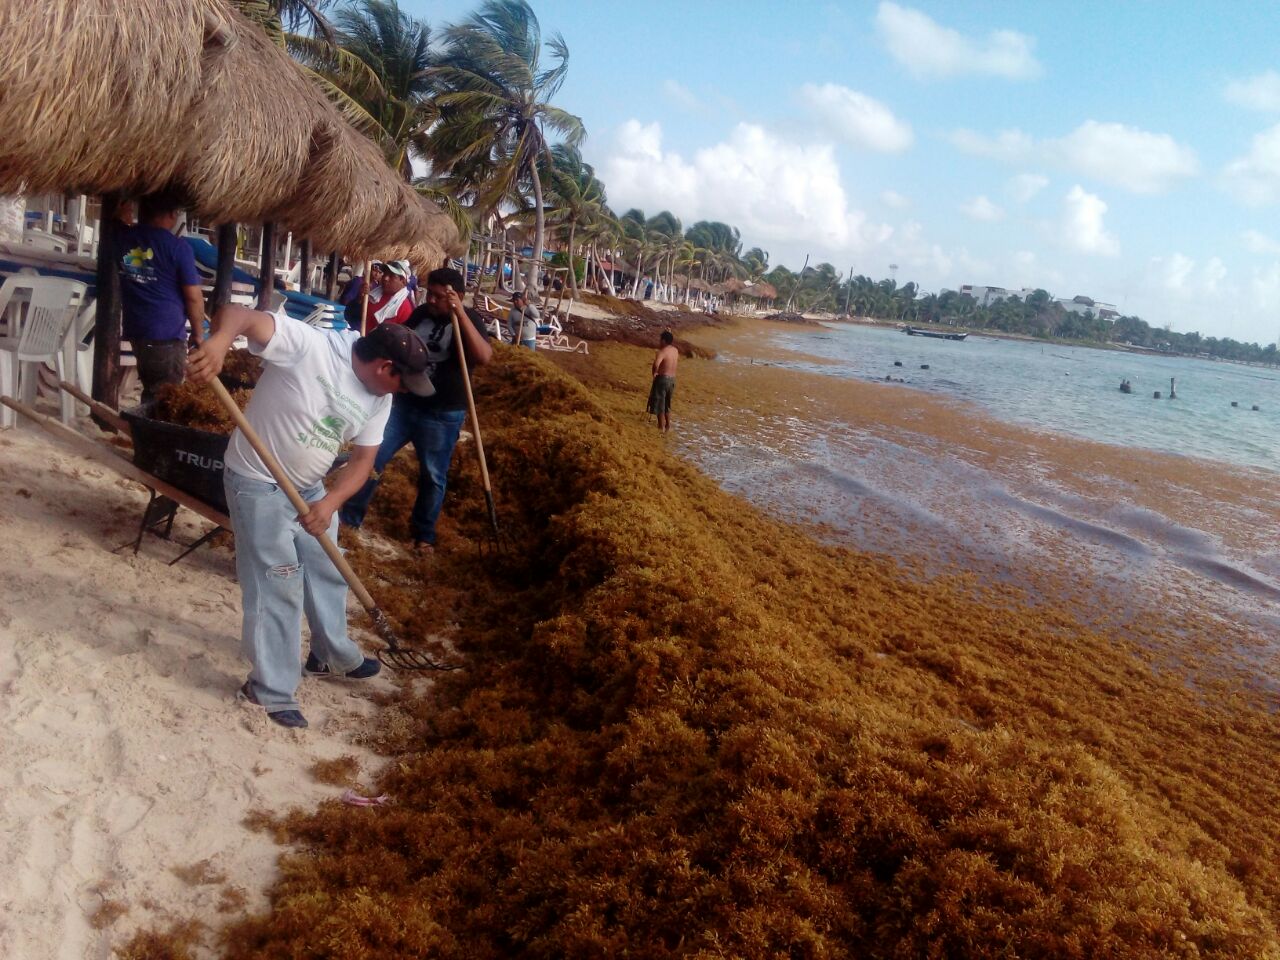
[{"x": 1179, "y": 549}]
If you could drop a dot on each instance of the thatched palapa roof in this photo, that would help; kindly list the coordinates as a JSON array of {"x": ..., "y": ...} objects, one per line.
[
  {"x": 760, "y": 291},
  {"x": 135, "y": 95}
]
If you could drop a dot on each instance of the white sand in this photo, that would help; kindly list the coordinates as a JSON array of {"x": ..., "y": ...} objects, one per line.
[{"x": 124, "y": 754}]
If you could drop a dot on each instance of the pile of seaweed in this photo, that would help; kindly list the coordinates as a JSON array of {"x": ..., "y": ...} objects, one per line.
[
  {"x": 685, "y": 730},
  {"x": 195, "y": 405},
  {"x": 797, "y": 318}
]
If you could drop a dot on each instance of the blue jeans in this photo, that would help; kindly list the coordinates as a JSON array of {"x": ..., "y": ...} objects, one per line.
[
  {"x": 433, "y": 435},
  {"x": 529, "y": 344},
  {"x": 284, "y": 573}
]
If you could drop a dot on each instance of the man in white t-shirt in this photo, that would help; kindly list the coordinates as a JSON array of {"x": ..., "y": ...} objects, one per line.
[{"x": 318, "y": 391}]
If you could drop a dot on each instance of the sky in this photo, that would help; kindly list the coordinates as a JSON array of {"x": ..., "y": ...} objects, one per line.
[{"x": 1125, "y": 150}]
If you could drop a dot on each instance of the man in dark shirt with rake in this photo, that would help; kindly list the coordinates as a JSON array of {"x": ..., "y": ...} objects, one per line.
[{"x": 432, "y": 423}]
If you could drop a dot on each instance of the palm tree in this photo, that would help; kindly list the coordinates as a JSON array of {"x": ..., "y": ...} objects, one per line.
[
  {"x": 495, "y": 100},
  {"x": 666, "y": 235},
  {"x": 395, "y": 92},
  {"x": 578, "y": 196},
  {"x": 756, "y": 262}
]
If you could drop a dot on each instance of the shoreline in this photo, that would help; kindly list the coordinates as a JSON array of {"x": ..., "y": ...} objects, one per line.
[
  {"x": 941, "y": 485},
  {"x": 777, "y": 355}
]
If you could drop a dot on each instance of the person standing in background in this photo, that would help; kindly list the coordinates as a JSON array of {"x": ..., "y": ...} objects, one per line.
[
  {"x": 664, "y": 380},
  {"x": 395, "y": 303},
  {"x": 523, "y": 320},
  {"x": 159, "y": 294}
]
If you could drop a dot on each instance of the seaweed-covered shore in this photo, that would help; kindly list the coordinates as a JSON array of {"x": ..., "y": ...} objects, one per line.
[{"x": 687, "y": 730}]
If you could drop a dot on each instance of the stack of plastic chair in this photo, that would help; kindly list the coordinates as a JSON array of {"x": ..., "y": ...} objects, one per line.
[{"x": 37, "y": 338}]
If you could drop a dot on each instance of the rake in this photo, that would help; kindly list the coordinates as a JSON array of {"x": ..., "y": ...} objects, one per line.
[{"x": 396, "y": 655}]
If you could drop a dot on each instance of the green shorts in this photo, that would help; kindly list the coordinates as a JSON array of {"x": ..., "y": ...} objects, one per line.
[{"x": 660, "y": 394}]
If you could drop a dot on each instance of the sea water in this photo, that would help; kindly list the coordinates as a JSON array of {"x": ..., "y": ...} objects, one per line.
[{"x": 1073, "y": 390}]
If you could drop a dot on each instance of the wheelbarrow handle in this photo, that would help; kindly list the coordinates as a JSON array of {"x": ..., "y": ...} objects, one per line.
[{"x": 274, "y": 468}]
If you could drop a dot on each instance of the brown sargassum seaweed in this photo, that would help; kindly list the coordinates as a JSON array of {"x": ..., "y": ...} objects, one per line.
[
  {"x": 686, "y": 730},
  {"x": 195, "y": 405}
]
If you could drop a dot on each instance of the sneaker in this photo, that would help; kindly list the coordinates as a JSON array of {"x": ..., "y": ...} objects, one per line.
[
  {"x": 423, "y": 549},
  {"x": 286, "y": 718},
  {"x": 314, "y": 668}
]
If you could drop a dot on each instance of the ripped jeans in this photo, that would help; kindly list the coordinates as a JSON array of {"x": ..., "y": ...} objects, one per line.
[{"x": 284, "y": 573}]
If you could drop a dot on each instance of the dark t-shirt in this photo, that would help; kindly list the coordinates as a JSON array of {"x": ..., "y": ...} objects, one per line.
[
  {"x": 154, "y": 267},
  {"x": 437, "y": 334}
]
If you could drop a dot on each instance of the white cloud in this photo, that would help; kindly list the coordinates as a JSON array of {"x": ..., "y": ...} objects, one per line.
[
  {"x": 1182, "y": 279},
  {"x": 1214, "y": 272},
  {"x": 1125, "y": 156},
  {"x": 928, "y": 49},
  {"x": 892, "y": 198},
  {"x": 981, "y": 208},
  {"x": 681, "y": 95},
  {"x": 1258, "y": 242},
  {"x": 1176, "y": 272},
  {"x": 784, "y": 193},
  {"x": 1114, "y": 153},
  {"x": 1259, "y": 92},
  {"x": 1009, "y": 146},
  {"x": 1082, "y": 226},
  {"x": 856, "y": 118},
  {"x": 1025, "y": 186},
  {"x": 1255, "y": 177}
]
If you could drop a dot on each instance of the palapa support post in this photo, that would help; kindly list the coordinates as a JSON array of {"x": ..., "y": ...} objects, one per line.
[
  {"x": 106, "y": 332},
  {"x": 304, "y": 273},
  {"x": 331, "y": 289},
  {"x": 267, "y": 270},
  {"x": 226, "y": 238}
]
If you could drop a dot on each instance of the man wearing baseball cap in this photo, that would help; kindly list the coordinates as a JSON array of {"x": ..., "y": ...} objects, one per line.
[
  {"x": 318, "y": 391},
  {"x": 395, "y": 303}
]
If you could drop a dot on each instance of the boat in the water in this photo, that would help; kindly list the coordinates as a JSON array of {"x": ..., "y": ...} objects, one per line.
[{"x": 936, "y": 334}]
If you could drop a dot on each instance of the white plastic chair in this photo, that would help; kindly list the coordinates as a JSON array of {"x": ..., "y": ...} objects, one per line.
[
  {"x": 44, "y": 241},
  {"x": 39, "y": 338}
]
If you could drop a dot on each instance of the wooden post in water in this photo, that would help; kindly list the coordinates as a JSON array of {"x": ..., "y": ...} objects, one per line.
[
  {"x": 226, "y": 266},
  {"x": 1173, "y": 394},
  {"x": 267, "y": 270},
  {"x": 106, "y": 331}
]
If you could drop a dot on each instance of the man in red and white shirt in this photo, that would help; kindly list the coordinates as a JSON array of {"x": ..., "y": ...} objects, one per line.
[{"x": 395, "y": 304}]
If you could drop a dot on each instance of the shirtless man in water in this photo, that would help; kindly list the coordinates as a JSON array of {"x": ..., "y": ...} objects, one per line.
[{"x": 664, "y": 380}]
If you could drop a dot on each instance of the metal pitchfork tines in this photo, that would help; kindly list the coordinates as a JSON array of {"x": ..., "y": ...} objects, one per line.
[{"x": 397, "y": 656}]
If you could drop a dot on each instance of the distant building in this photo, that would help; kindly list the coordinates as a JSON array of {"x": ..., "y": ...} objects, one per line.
[
  {"x": 1083, "y": 305},
  {"x": 989, "y": 295},
  {"x": 984, "y": 295}
]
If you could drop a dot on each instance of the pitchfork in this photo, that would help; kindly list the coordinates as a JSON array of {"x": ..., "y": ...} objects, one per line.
[
  {"x": 497, "y": 542},
  {"x": 397, "y": 656}
]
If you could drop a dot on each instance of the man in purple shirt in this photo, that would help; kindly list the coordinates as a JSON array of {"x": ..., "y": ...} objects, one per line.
[{"x": 159, "y": 292}]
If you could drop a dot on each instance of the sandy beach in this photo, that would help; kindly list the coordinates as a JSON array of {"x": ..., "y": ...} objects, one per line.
[
  {"x": 128, "y": 767},
  {"x": 131, "y": 769}
]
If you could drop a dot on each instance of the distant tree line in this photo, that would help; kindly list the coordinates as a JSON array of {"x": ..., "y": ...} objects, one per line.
[{"x": 820, "y": 289}]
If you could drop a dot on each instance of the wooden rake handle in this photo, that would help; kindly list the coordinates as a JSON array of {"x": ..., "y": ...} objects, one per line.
[
  {"x": 273, "y": 466},
  {"x": 471, "y": 401}
]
